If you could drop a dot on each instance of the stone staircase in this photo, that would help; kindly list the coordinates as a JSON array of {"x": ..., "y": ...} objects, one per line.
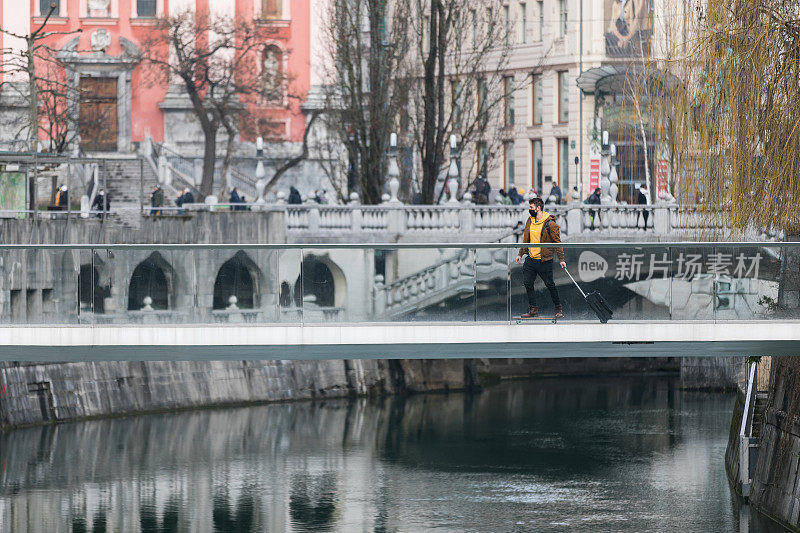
[
  {"x": 758, "y": 412},
  {"x": 128, "y": 194}
]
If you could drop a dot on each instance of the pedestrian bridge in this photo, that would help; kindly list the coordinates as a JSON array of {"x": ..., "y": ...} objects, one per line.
[
  {"x": 278, "y": 301},
  {"x": 400, "y": 340}
]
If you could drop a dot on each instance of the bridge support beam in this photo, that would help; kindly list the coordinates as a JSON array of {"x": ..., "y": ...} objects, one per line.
[{"x": 398, "y": 340}]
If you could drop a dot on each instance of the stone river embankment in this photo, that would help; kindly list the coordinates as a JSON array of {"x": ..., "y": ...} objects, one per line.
[
  {"x": 33, "y": 393},
  {"x": 776, "y": 475},
  {"x": 41, "y": 393}
]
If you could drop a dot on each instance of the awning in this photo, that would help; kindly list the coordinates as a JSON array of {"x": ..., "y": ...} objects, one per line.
[{"x": 619, "y": 77}]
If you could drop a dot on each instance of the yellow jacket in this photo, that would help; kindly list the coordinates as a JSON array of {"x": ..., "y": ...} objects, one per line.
[{"x": 544, "y": 231}]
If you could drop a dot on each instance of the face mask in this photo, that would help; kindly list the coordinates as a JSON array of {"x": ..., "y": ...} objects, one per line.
[{"x": 533, "y": 213}]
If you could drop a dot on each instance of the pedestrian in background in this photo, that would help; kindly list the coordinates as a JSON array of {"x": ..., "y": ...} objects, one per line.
[
  {"x": 62, "y": 198},
  {"x": 235, "y": 200},
  {"x": 593, "y": 199},
  {"x": 642, "y": 199},
  {"x": 156, "y": 200},
  {"x": 482, "y": 190},
  {"x": 294, "y": 196},
  {"x": 102, "y": 203},
  {"x": 504, "y": 199},
  {"x": 555, "y": 195}
]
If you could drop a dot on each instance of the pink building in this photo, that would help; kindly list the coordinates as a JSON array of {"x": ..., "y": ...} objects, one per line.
[{"x": 102, "y": 64}]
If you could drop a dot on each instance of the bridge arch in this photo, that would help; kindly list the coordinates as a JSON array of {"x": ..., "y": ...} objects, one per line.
[
  {"x": 323, "y": 279},
  {"x": 155, "y": 278},
  {"x": 241, "y": 277},
  {"x": 94, "y": 285}
]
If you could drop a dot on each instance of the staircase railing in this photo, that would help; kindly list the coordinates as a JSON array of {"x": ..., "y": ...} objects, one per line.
[
  {"x": 245, "y": 183},
  {"x": 183, "y": 170},
  {"x": 746, "y": 430}
]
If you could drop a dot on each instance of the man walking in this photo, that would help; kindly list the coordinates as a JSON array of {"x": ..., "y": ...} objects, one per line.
[
  {"x": 540, "y": 228},
  {"x": 101, "y": 204},
  {"x": 156, "y": 200},
  {"x": 642, "y": 199},
  {"x": 594, "y": 199}
]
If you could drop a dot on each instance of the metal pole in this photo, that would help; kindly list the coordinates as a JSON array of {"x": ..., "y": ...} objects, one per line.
[
  {"x": 141, "y": 189},
  {"x": 580, "y": 102},
  {"x": 34, "y": 186},
  {"x": 105, "y": 191}
]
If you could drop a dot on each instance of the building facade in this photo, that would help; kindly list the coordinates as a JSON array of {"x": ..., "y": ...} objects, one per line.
[
  {"x": 582, "y": 63},
  {"x": 98, "y": 43}
]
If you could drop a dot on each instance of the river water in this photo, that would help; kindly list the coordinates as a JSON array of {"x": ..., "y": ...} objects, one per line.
[{"x": 559, "y": 454}]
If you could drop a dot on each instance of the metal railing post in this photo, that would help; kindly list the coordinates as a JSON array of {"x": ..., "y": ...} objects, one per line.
[
  {"x": 744, "y": 437},
  {"x": 141, "y": 188}
]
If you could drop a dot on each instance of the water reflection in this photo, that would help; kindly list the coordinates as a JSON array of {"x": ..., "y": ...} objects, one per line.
[
  {"x": 312, "y": 501},
  {"x": 240, "y": 519},
  {"x": 623, "y": 454}
]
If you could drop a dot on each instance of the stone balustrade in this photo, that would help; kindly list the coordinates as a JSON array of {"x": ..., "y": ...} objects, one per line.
[
  {"x": 312, "y": 313},
  {"x": 453, "y": 275},
  {"x": 490, "y": 221}
]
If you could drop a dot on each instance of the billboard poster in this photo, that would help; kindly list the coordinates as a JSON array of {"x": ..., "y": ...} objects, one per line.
[
  {"x": 13, "y": 193},
  {"x": 628, "y": 26},
  {"x": 594, "y": 174},
  {"x": 663, "y": 176}
]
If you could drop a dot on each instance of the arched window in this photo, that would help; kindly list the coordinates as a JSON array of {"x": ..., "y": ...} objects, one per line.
[
  {"x": 92, "y": 294},
  {"x": 285, "y": 297},
  {"x": 271, "y": 9},
  {"x": 233, "y": 279},
  {"x": 272, "y": 74},
  {"x": 148, "y": 279},
  {"x": 317, "y": 282}
]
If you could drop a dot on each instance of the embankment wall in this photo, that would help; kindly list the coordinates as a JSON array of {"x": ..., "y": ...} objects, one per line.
[
  {"x": 41, "y": 393},
  {"x": 776, "y": 476}
]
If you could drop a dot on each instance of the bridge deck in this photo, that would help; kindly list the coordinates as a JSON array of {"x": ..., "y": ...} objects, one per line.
[{"x": 399, "y": 340}]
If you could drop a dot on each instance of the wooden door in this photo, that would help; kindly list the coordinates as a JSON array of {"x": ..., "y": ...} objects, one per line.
[{"x": 97, "y": 121}]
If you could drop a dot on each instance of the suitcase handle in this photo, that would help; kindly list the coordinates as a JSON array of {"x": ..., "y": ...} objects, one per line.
[{"x": 575, "y": 282}]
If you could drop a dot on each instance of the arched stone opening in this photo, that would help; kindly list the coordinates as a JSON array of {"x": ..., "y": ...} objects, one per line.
[
  {"x": 322, "y": 282},
  {"x": 91, "y": 292},
  {"x": 151, "y": 278},
  {"x": 285, "y": 295},
  {"x": 237, "y": 277}
]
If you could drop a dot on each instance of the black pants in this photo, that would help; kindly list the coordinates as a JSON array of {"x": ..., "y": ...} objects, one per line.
[
  {"x": 544, "y": 269},
  {"x": 645, "y": 214}
]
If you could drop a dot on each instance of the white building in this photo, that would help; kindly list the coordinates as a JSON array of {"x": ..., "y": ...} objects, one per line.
[{"x": 586, "y": 59}]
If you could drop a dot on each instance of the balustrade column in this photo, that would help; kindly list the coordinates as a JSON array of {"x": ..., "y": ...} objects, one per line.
[
  {"x": 574, "y": 218},
  {"x": 356, "y": 220},
  {"x": 313, "y": 220},
  {"x": 396, "y": 221},
  {"x": 379, "y": 296},
  {"x": 467, "y": 220},
  {"x": 661, "y": 222}
]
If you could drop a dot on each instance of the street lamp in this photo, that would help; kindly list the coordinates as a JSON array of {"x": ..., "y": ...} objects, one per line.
[
  {"x": 261, "y": 183},
  {"x": 393, "y": 171},
  {"x": 452, "y": 173}
]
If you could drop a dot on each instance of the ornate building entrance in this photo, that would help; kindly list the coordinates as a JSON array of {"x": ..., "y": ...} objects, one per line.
[{"x": 97, "y": 120}]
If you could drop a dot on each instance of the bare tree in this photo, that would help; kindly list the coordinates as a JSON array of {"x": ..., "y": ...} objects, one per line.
[
  {"x": 46, "y": 92},
  {"x": 218, "y": 61},
  {"x": 367, "y": 46},
  {"x": 460, "y": 83},
  {"x": 294, "y": 160}
]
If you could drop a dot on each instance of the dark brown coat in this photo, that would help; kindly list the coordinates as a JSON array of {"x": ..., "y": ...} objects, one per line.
[{"x": 550, "y": 233}]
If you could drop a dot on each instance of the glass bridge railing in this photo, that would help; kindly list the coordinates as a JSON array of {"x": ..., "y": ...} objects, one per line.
[{"x": 356, "y": 284}]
